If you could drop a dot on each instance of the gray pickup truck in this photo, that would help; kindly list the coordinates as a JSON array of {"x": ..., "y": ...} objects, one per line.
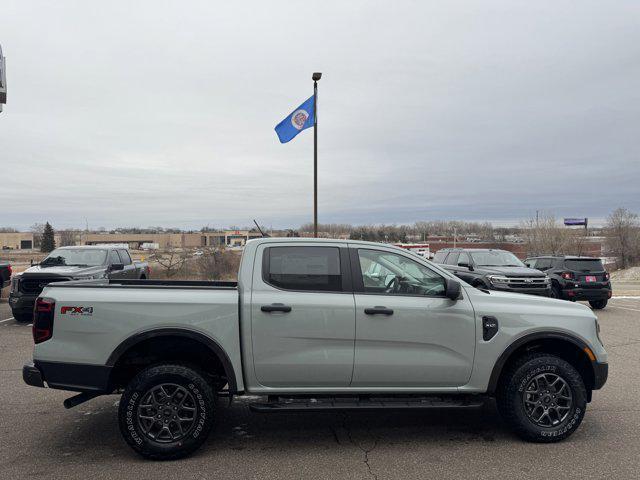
[
  {"x": 5, "y": 275},
  {"x": 71, "y": 263},
  {"x": 314, "y": 325}
]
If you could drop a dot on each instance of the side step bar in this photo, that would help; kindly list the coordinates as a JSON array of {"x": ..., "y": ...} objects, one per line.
[{"x": 306, "y": 404}]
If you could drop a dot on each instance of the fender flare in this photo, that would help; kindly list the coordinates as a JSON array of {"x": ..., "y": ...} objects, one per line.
[
  {"x": 214, "y": 346},
  {"x": 506, "y": 354}
]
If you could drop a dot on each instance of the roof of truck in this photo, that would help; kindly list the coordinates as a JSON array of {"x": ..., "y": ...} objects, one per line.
[
  {"x": 91, "y": 247},
  {"x": 317, "y": 240}
]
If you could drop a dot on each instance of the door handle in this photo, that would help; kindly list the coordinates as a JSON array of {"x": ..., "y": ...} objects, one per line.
[
  {"x": 276, "y": 307},
  {"x": 378, "y": 311}
]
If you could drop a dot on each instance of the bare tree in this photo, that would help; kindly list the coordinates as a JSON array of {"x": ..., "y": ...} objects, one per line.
[
  {"x": 67, "y": 237},
  {"x": 623, "y": 237},
  {"x": 38, "y": 230},
  {"x": 171, "y": 260},
  {"x": 218, "y": 265},
  {"x": 544, "y": 235}
]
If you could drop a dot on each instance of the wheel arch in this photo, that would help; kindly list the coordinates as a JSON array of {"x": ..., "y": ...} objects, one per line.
[
  {"x": 563, "y": 345},
  {"x": 164, "y": 334}
]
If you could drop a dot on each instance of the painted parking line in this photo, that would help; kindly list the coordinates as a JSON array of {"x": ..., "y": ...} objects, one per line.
[
  {"x": 627, "y": 303},
  {"x": 625, "y": 308},
  {"x": 6, "y": 320}
]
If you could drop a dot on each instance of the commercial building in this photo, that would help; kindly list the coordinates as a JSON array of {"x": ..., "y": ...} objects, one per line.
[
  {"x": 16, "y": 241},
  {"x": 228, "y": 238}
]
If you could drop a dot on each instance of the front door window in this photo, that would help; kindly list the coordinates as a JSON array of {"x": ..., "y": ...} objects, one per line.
[{"x": 393, "y": 274}]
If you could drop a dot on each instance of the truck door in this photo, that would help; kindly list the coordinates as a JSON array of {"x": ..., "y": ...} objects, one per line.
[
  {"x": 129, "y": 270},
  {"x": 114, "y": 259},
  {"x": 408, "y": 334},
  {"x": 302, "y": 315}
]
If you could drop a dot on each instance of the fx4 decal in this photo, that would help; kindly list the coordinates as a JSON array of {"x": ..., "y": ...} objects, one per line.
[{"x": 76, "y": 310}]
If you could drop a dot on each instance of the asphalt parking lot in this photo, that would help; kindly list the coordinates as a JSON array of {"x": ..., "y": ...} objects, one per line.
[{"x": 40, "y": 439}]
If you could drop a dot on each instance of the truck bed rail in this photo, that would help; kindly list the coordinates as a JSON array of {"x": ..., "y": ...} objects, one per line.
[{"x": 128, "y": 283}]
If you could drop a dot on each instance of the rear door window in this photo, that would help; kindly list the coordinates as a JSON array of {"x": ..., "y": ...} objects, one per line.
[
  {"x": 303, "y": 268},
  {"x": 125, "y": 257},
  {"x": 452, "y": 259},
  {"x": 440, "y": 256},
  {"x": 543, "y": 264},
  {"x": 463, "y": 258}
]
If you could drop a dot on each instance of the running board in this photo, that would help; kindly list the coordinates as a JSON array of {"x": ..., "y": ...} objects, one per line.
[{"x": 307, "y": 404}]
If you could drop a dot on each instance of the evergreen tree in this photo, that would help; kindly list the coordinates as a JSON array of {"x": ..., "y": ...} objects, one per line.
[{"x": 48, "y": 239}]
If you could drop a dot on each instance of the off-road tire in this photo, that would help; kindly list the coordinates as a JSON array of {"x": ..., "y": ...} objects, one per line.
[
  {"x": 511, "y": 392},
  {"x": 195, "y": 391},
  {"x": 23, "y": 317},
  {"x": 598, "y": 304}
]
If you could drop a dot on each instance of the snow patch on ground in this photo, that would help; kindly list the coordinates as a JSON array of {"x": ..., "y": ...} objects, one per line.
[{"x": 628, "y": 274}]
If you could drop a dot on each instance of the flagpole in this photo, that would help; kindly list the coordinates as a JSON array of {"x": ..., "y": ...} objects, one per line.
[{"x": 315, "y": 77}]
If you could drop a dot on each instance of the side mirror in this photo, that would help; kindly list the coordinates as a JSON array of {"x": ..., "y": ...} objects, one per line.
[
  {"x": 452, "y": 289},
  {"x": 116, "y": 266},
  {"x": 463, "y": 264}
]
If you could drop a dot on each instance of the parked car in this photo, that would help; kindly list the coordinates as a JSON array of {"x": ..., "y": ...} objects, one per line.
[
  {"x": 575, "y": 278},
  {"x": 71, "y": 263},
  {"x": 493, "y": 270},
  {"x": 314, "y": 325},
  {"x": 5, "y": 275}
]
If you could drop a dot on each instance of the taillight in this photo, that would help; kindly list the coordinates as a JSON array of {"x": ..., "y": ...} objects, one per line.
[
  {"x": 606, "y": 276},
  {"x": 10, "y": 270},
  {"x": 43, "y": 319},
  {"x": 567, "y": 275}
]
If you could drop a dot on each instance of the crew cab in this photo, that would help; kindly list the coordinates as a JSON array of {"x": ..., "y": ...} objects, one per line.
[
  {"x": 314, "y": 325},
  {"x": 493, "y": 269},
  {"x": 575, "y": 278},
  {"x": 71, "y": 263},
  {"x": 5, "y": 275}
]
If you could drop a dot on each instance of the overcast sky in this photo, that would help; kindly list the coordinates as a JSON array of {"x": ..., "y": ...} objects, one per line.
[{"x": 162, "y": 113}]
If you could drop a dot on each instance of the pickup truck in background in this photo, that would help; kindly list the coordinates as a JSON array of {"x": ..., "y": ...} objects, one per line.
[
  {"x": 71, "y": 263},
  {"x": 493, "y": 269},
  {"x": 314, "y": 325},
  {"x": 5, "y": 275}
]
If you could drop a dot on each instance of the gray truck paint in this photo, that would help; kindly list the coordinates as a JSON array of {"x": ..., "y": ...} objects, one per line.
[{"x": 432, "y": 344}]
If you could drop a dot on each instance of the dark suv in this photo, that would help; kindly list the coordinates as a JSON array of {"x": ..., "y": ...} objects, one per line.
[
  {"x": 493, "y": 269},
  {"x": 575, "y": 278}
]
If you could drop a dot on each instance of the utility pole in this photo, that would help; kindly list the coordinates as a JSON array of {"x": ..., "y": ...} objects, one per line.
[
  {"x": 315, "y": 77},
  {"x": 3, "y": 81}
]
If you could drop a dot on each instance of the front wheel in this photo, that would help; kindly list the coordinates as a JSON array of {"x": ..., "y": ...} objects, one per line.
[
  {"x": 555, "y": 292},
  {"x": 598, "y": 304},
  {"x": 166, "y": 412},
  {"x": 542, "y": 398}
]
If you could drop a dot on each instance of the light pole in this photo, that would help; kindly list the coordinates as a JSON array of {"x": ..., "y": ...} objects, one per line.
[{"x": 315, "y": 77}]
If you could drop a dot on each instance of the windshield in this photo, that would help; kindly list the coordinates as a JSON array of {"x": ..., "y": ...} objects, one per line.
[
  {"x": 496, "y": 258},
  {"x": 584, "y": 265},
  {"x": 77, "y": 257}
]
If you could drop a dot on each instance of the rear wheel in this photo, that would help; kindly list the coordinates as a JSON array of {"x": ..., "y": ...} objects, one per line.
[
  {"x": 598, "y": 304},
  {"x": 555, "y": 292},
  {"x": 542, "y": 398},
  {"x": 166, "y": 412},
  {"x": 23, "y": 317}
]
